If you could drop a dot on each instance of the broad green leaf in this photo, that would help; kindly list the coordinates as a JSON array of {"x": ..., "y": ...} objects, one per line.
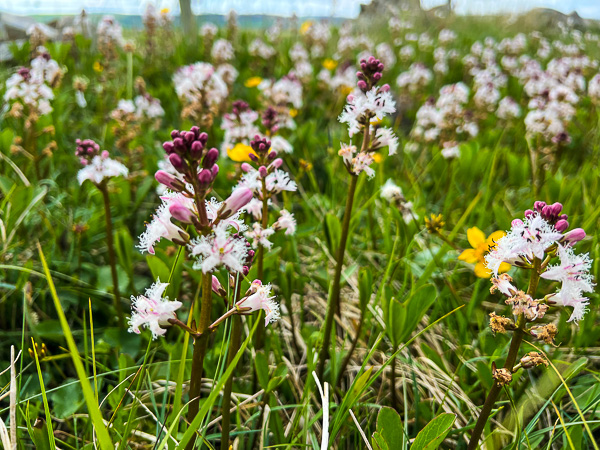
[
  {"x": 434, "y": 432},
  {"x": 389, "y": 426}
]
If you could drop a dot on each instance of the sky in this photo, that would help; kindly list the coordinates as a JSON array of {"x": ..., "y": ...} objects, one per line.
[{"x": 338, "y": 8}]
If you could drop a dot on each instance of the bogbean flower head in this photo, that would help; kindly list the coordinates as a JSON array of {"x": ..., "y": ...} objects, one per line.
[
  {"x": 98, "y": 166},
  {"x": 259, "y": 297},
  {"x": 533, "y": 243},
  {"x": 152, "y": 310},
  {"x": 365, "y": 109}
]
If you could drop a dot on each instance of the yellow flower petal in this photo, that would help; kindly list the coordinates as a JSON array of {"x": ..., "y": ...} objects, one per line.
[
  {"x": 377, "y": 157},
  {"x": 305, "y": 27},
  {"x": 504, "y": 267},
  {"x": 253, "y": 82},
  {"x": 495, "y": 237},
  {"x": 481, "y": 271},
  {"x": 330, "y": 64},
  {"x": 469, "y": 256},
  {"x": 240, "y": 152},
  {"x": 475, "y": 237}
]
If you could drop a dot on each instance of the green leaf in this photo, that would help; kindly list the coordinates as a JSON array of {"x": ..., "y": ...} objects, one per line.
[
  {"x": 365, "y": 286},
  {"x": 389, "y": 426},
  {"x": 262, "y": 369},
  {"x": 379, "y": 442},
  {"x": 39, "y": 435},
  {"x": 434, "y": 432},
  {"x": 333, "y": 232},
  {"x": 67, "y": 400},
  {"x": 103, "y": 437}
]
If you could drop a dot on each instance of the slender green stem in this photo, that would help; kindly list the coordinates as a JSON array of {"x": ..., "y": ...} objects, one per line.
[
  {"x": 335, "y": 289},
  {"x": 234, "y": 346},
  {"x": 509, "y": 364},
  {"x": 112, "y": 259},
  {"x": 260, "y": 255},
  {"x": 200, "y": 345}
]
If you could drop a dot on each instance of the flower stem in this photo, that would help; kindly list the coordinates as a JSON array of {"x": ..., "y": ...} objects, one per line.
[
  {"x": 200, "y": 345},
  {"x": 112, "y": 260},
  {"x": 509, "y": 364},
  {"x": 234, "y": 346},
  {"x": 258, "y": 339},
  {"x": 335, "y": 289},
  {"x": 352, "y": 348}
]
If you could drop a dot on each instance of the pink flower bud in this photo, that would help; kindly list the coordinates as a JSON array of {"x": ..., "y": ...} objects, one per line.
[
  {"x": 236, "y": 201},
  {"x": 277, "y": 163},
  {"x": 517, "y": 223},
  {"x": 528, "y": 213},
  {"x": 205, "y": 177},
  {"x": 178, "y": 162},
  {"x": 377, "y": 76},
  {"x": 181, "y": 213},
  {"x": 217, "y": 287},
  {"x": 210, "y": 158},
  {"x": 561, "y": 225},
  {"x": 556, "y": 208},
  {"x": 165, "y": 178},
  {"x": 384, "y": 88},
  {"x": 362, "y": 85},
  {"x": 263, "y": 171},
  {"x": 574, "y": 236},
  {"x": 214, "y": 170},
  {"x": 196, "y": 150},
  {"x": 104, "y": 154},
  {"x": 538, "y": 206},
  {"x": 169, "y": 147},
  {"x": 246, "y": 167}
]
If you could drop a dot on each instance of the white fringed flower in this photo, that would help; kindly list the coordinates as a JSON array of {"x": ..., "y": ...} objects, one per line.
[
  {"x": 390, "y": 191},
  {"x": 375, "y": 104},
  {"x": 259, "y": 236},
  {"x": 574, "y": 274},
  {"x": 261, "y": 299},
  {"x": 101, "y": 167},
  {"x": 219, "y": 248},
  {"x": 527, "y": 239},
  {"x": 160, "y": 227},
  {"x": 152, "y": 310},
  {"x": 385, "y": 137},
  {"x": 285, "y": 222}
]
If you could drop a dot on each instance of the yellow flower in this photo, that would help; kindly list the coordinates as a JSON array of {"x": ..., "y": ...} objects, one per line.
[
  {"x": 293, "y": 112},
  {"x": 481, "y": 246},
  {"x": 240, "y": 152},
  {"x": 165, "y": 11},
  {"x": 346, "y": 90},
  {"x": 330, "y": 64},
  {"x": 97, "y": 66},
  {"x": 377, "y": 157},
  {"x": 305, "y": 27},
  {"x": 253, "y": 82}
]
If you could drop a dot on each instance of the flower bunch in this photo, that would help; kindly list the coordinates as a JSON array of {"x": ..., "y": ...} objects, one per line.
[
  {"x": 265, "y": 179},
  {"x": 31, "y": 87},
  {"x": 97, "y": 165},
  {"x": 365, "y": 109},
  {"x": 202, "y": 90},
  {"x": 533, "y": 243}
]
